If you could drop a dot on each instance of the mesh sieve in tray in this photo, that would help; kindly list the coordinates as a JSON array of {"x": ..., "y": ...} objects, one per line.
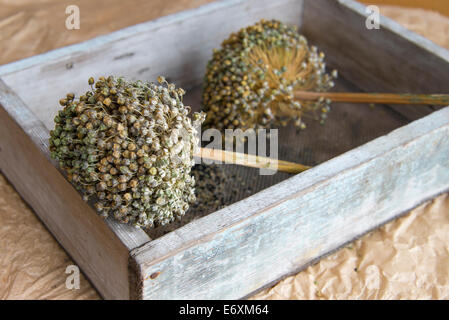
[{"x": 347, "y": 127}]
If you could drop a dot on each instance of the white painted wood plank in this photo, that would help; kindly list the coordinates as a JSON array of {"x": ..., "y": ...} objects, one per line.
[{"x": 260, "y": 239}]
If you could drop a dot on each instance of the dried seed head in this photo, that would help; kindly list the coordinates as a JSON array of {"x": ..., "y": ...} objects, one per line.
[
  {"x": 118, "y": 149},
  {"x": 250, "y": 81}
]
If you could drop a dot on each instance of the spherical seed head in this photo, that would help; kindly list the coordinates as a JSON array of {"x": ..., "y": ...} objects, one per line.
[
  {"x": 133, "y": 172},
  {"x": 251, "y": 79}
]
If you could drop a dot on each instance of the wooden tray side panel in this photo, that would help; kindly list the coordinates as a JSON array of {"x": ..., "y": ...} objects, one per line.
[
  {"x": 322, "y": 209},
  {"x": 389, "y": 59},
  {"x": 245, "y": 246},
  {"x": 96, "y": 249}
]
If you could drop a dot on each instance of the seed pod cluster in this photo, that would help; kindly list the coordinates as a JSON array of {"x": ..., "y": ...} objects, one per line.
[
  {"x": 216, "y": 186},
  {"x": 250, "y": 81},
  {"x": 128, "y": 146}
]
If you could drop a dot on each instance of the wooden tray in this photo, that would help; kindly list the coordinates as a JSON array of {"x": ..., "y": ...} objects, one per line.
[{"x": 371, "y": 165}]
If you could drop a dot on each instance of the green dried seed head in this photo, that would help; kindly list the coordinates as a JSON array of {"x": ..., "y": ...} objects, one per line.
[
  {"x": 251, "y": 79},
  {"x": 116, "y": 145}
]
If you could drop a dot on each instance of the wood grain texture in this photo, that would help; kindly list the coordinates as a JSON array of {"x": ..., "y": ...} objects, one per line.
[
  {"x": 231, "y": 252},
  {"x": 100, "y": 251},
  {"x": 441, "y": 6},
  {"x": 391, "y": 59}
]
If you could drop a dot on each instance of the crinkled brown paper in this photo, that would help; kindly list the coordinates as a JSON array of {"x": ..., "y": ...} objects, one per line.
[{"x": 407, "y": 258}]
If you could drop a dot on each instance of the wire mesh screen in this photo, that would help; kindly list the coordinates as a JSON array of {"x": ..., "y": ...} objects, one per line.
[{"x": 347, "y": 127}]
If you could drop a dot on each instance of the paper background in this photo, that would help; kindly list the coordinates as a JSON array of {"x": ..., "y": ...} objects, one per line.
[{"x": 406, "y": 259}]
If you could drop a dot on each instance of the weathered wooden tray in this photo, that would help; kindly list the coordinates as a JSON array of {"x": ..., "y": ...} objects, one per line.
[{"x": 371, "y": 164}]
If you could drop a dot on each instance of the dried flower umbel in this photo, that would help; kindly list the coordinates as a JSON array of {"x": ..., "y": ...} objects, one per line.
[
  {"x": 250, "y": 81},
  {"x": 129, "y": 147}
]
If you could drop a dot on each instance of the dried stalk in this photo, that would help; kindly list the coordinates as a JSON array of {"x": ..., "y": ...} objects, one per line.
[
  {"x": 379, "y": 98},
  {"x": 249, "y": 160}
]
